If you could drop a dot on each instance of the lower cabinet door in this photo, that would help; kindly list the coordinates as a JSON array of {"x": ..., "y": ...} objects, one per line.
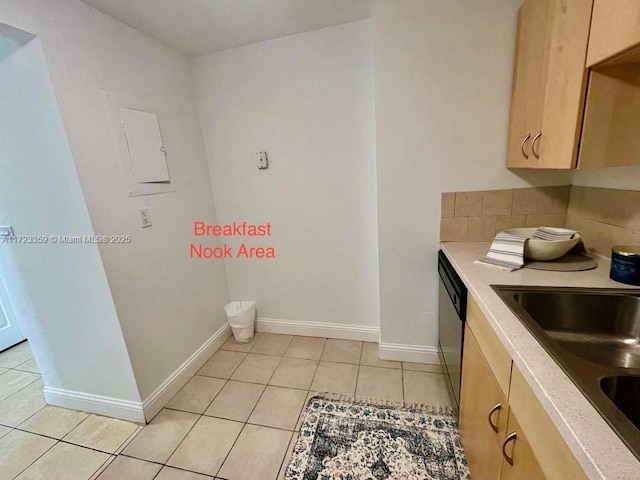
[
  {"x": 483, "y": 413},
  {"x": 519, "y": 461}
]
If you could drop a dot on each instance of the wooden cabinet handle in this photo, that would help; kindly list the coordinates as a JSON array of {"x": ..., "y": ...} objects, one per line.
[
  {"x": 510, "y": 437},
  {"x": 494, "y": 426},
  {"x": 533, "y": 145},
  {"x": 526, "y": 139}
]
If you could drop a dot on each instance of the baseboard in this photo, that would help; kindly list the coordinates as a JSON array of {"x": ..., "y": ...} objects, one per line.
[
  {"x": 110, "y": 407},
  {"x": 161, "y": 395},
  {"x": 317, "y": 329},
  {"x": 408, "y": 353}
]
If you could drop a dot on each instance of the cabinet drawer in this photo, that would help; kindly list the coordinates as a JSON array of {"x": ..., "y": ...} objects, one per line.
[
  {"x": 491, "y": 346},
  {"x": 550, "y": 450}
]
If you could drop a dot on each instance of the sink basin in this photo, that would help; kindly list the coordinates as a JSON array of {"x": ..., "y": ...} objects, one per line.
[
  {"x": 624, "y": 392},
  {"x": 602, "y": 328},
  {"x": 594, "y": 336}
]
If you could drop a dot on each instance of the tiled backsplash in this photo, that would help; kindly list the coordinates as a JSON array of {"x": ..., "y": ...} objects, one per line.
[
  {"x": 478, "y": 216},
  {"x": 604, "y": 217}
]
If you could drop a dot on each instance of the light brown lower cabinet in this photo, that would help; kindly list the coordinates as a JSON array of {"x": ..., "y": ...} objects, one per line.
[
  {"x": 483, "y": 413},
  {"x": 507, "y": 435},
  {"x": 519, "y": 460},
  {"x": 493, "y": 441}
]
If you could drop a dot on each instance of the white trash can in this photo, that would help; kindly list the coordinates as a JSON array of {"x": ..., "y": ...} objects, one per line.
[{"x": 242, "y": 317}]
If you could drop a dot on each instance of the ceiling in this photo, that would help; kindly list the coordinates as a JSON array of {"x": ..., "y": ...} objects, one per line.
[{"x": 196, "y": 27}]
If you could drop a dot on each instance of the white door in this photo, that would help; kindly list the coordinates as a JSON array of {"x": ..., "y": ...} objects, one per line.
[{"x": 10, "y": 332}]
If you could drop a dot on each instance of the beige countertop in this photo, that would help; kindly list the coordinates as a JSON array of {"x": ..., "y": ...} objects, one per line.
[{"x": 596, "y": 446}]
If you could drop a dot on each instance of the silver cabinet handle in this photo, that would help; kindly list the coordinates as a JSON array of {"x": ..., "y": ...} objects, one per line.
[
  {"x": 533, "y": 145},
  {"x": 526, "y": 139},
  {"x": 494, "y": 426},
  {"x": 510, "y": 437}
]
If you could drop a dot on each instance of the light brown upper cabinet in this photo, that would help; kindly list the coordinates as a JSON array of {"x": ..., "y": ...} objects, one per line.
[
  {"x": 612, "y": 117},
  {"x": 547, "y": 101},
  {"x": 615, "y": 30},
  {"x": 612, "y": 113}
]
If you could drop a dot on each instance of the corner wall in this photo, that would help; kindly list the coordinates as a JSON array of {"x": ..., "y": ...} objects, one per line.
[
  {"x": 59, "y": 292},
  {"x": 168, "y": 305},
  {"x": 307, "y": 100},
  {"x": 443, "y": 72}
]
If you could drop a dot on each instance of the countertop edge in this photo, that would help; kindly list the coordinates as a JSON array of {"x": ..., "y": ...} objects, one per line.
[{"x": 597, "y": 448}]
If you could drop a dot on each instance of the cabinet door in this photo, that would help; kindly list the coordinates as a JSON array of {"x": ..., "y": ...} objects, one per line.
[
  {"x": 553, "y": 454},
  {"x": 519, "y": 459},
  {"x": 565, "y": 86},
  {"x": 529, "y": 76},
  {"x": 479, "y": 396}
]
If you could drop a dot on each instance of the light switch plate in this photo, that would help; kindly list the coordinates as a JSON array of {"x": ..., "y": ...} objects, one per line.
[
  {"x": 145, "y": 217},
  {"x": 262, "y": 160}
]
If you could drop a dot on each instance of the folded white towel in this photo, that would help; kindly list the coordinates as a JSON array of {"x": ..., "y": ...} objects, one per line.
[
  {"x": 553, "y": 233},
  {"x": 506, "y": 253}
]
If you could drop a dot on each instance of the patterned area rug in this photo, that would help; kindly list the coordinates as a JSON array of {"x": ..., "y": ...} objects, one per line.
[{"x": 347, "y": 438}]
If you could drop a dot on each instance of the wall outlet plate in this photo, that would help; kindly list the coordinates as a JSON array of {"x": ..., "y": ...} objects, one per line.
[
  {"x": 145, "y": 217},
  {"x": 262, "y": 160}
]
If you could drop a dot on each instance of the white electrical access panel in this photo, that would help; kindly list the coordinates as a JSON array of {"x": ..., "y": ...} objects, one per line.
[
  {"x": 144, "y": 160},
  {"x": 144, "y": 143}
]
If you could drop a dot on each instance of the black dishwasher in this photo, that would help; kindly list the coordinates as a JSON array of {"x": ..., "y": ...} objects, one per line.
[{"x": 451, "y": 317}]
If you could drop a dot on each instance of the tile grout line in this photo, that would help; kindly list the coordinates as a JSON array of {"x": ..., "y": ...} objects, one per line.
[
  {"x": 202, "y": 414},
  {"x": 36, "y": 459},
  {"x": 27, "y": 431},
  {"x": 226, "y": 381},
  {"x": 199, "y": 415},
  {"x": 284, "y": 459},
  {"x": 254, "y": 407},
  {"x": 113, "y": 455},
  {"x": 355, "y": 391},
  {"x": 129, "y": 439},
  {"x": 23, "y": 387},
  {"x": 181, "y": 441},
  {"x": 103, "y": 467},
  {"x": 324, "y": 345},
  {"x": 304, "y": 404}
]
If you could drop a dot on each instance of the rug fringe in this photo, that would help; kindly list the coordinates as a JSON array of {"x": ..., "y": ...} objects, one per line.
[{"x": 377, "y": 402}]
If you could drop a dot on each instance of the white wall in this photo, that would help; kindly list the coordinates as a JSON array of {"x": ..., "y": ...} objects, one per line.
[
  {"x": 168, "y": 305},
  {"x": 11, "y": 39},
  {"x": 8, "y": 46},
  {"x": 58, "y": 292},
  {"x": 443, "y": 84},
  {"x": 308, "y": 101}
]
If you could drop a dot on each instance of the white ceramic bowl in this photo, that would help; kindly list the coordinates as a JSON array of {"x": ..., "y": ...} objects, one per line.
[{"x": 543, "y": 250}]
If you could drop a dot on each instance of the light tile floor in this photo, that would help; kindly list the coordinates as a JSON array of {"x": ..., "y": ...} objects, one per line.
[{"x": 236, "y": 419}]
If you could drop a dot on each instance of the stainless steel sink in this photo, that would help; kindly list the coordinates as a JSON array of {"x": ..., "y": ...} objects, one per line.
[
  {"x": 599, "y": 327},
  {"x": 594, "y": 335},
  {"x": 624, "y": 392}
]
